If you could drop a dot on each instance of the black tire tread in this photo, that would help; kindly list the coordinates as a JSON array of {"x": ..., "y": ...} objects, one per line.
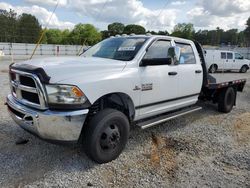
[
  {"x": 222, "y": 106},
  {"x": 89, "y": 133}
]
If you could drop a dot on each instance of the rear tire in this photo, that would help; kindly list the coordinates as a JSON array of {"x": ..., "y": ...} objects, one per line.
[
  {"x": 106, "y": 135},
  {"x": 243, "y": 69},
  {"x": 226, "y": 100},
  {"x": 213, "y": 68}
]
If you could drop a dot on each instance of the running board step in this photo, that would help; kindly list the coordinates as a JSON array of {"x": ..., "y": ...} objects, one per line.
[{"x": 166, "y": 117}]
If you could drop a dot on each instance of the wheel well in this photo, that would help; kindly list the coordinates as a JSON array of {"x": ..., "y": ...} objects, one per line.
[
  {"x": 246, "y": 66},
  {"x": 214, "y": 65},
  {"x": 119, "y": 101}
]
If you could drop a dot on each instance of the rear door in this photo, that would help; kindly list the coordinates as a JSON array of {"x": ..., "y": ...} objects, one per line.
[
  {"x": 222, "y": 62},
  {"x": 230, "y": 61},
  {"x": 190, "y": 72}
]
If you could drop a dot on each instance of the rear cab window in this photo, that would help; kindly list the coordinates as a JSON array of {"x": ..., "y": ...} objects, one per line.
[{"x": 187, "y": 53}]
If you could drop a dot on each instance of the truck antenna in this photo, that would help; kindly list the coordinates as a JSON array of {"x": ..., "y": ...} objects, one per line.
[{"x": 44, "y": 31}]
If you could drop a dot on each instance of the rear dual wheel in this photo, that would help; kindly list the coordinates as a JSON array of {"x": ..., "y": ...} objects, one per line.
[
  {"x": 106, "y": 135},
  {"x": 226, "y": 100}
]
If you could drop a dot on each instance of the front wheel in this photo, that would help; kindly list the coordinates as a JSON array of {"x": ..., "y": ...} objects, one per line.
[
  {"x": 106, "y": 135},
  {"x": 226, "y": 100},
  {"x": 243, "y": 69}
]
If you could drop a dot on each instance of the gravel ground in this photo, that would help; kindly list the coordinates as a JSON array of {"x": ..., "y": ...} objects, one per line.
[{"x": 204, "y": 149}]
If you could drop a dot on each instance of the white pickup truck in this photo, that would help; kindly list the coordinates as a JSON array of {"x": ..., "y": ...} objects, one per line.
[{"x": 93, "y": 99}]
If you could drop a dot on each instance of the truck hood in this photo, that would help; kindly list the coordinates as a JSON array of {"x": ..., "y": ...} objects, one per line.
[{"x": 60, "y": 69}]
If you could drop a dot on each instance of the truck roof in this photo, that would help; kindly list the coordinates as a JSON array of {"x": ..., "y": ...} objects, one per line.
[{"x": 157, "y": 36}]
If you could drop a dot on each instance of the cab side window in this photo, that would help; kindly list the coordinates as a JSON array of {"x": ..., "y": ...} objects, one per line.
[
  {"x": 229, "y": 56},
  {"x": 187, "y": 54},
  {"x": 223, "y": 55},
  {"x": 158, "y": 50},
  {"x": 238, "y": 56}
]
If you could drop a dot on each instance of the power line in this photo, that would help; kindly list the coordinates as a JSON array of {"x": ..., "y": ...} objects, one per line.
[
  {"x": 100, "y": 13},
  {"x": 43, "y": 33}
]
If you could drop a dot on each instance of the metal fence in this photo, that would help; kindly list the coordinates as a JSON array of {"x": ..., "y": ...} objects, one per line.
[{"x": 24, "y": 51}]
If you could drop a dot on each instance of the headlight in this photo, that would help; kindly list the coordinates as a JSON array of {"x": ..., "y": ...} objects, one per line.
[{"x": 64, "y": 96}]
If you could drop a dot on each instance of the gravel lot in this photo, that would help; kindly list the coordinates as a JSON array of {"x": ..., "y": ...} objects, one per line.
[{"x": 204, "y": 149}]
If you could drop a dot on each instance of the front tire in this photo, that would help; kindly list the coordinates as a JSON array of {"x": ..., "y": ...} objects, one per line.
[
  {"x": 226, "y": 100},
  {"x": 243, "y": 69},
  {"x": 106, "y": 135}
]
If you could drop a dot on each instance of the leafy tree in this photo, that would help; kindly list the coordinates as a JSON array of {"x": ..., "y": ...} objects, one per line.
[
  {"x": 54, "y": 36},
  {"x": 29, "y": 28},
  {"x": 85, "y": 34},
  {"x": 163, "y": 33},
  {"x": 105, "y": 34},
  {"x": 136, "y": 29},
  {"x": 116, "y": 28},
  {"x": 247, "y": 32},
  {"x": 184, "y": 30},
  {"x": 65, "y": 37},
  {"x": 8, "y": 23}
]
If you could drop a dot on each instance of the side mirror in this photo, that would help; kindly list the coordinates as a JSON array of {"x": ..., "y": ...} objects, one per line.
[{"x": 174, "y": 53}]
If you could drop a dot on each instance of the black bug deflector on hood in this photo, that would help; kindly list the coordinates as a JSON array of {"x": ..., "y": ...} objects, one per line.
[{"x": 44, "y": 78}]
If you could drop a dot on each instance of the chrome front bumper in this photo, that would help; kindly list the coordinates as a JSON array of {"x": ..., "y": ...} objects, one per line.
[{"x": 65, "y": 126}]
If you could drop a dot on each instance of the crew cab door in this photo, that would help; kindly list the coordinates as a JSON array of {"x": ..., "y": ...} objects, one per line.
[
  {"x": 159, "y": 83},
  {"x": 190, "y": 72}
]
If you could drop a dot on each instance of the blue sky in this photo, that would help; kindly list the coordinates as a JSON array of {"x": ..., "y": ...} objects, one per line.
[{"x": 152, "y": 14}]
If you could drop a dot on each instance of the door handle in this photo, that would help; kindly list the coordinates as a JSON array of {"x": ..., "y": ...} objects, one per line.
[
  {"x": 198, "y": 71},
  {"x": 172, "y": 73}
]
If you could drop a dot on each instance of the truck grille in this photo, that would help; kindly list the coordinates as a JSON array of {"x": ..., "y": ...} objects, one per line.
[{"x": 27, "y": 89}]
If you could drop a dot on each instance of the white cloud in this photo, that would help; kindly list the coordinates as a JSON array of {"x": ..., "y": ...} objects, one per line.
[
  {"x": 178, "y": 3},
  {"x": 41, "y": 13},
  {"x": 48, "y": 2},
  {"x": 225, "y": 14},
  {"x": 131, "y": 11}
]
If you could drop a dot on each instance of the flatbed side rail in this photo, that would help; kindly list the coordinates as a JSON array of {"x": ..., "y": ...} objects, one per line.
[{"x": 240, "y": 83}]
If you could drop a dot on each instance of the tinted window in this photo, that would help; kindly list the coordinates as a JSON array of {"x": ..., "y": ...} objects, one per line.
[
  {"x": 229, "y": 56},
  {"x": 120, "y": 48},
  {"x": 238, "y": 56},
  {"x": 158, "y": 50},
  {"x": 187, "y": 54},
  {"x": 223, "y": 55}
]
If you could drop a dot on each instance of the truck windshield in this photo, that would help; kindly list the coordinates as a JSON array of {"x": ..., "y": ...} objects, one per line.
[{"x": 121, "y": 48}]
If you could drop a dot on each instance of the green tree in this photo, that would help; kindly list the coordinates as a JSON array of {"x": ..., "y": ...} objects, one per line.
[
  {"x": 136, "y": 29},
  {"x": 65, "y": 37},
  {"x": 54, "y": 36},
  {"x": 163, "y": 33},
  {"x": 116, "y": 28},
  {"x": 29, "y": 29},
  {"x": 105, "y": 34},
  {"x": 8, "y": 23},
  {"x": 85, "y": 34},
  {"x": 184, "y": 30},
  {"x": 247, "y": 32}
]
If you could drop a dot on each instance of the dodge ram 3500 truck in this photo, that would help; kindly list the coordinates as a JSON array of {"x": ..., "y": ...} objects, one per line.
[{"x": 93, "y": 99}]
